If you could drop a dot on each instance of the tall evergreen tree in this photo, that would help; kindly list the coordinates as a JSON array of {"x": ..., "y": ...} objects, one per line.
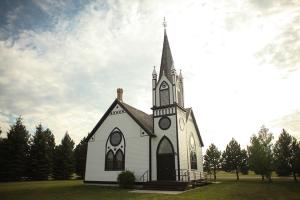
[
  {"x": 3, "y": 158},
  {"x": 260, "y": 153},
  {"x": 282, "y": 154},
  {"x": 212, "y": 159},
  {"x": 17, "y": 151},
  {"x": 41, "y": 154},
  {"x": 80, "y": 157},
  {"x": 234, "y": 158},
  {"x": 245, "y": 162},
  {"x": 295, "y": 158},
  {"x": 64, "y": 158}
]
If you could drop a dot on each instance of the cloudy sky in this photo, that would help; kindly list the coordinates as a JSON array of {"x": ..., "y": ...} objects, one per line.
[{"x": 61, "y": 62}]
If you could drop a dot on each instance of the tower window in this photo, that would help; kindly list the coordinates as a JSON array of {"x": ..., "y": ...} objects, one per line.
[{"x": 164, "y": 94}]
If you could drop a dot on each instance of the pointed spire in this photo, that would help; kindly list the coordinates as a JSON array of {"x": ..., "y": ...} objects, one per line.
[
  {"x": 154, "y": 74},
  {"x": 154, "y": 71},
  {"x": 180, "y": 75},
  {"x": 166, "y": 58}
]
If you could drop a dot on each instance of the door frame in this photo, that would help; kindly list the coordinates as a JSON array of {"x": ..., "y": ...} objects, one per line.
[{"x": 157, "y": 156}]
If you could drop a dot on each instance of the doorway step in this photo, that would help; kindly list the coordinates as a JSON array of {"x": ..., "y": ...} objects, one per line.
[{"x": 167, "y": 185}]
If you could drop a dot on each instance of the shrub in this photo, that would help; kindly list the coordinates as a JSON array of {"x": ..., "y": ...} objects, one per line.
[{"x": 126, "y": 179}]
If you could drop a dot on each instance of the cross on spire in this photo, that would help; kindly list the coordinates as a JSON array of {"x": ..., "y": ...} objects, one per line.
[
  {"x": 164, "y": 23},
  {"x": 166, "y": 64}
]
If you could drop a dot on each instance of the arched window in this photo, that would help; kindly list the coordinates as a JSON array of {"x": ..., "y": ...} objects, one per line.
[
  {"x": 115, "y": 151},
  {"x": 165, "y": 147},
  {"x": 109, "y": 164},
  {"x": 164, "y": 94},
  {"x": 193, "y": 155},
  {"x": 119, "y": 160}
]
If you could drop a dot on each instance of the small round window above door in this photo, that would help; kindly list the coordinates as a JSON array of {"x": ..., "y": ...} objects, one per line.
[{"x": 164, "y": 123}]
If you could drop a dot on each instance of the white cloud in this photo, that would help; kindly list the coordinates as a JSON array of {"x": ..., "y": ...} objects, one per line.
[{"x": 66, "y": 77}]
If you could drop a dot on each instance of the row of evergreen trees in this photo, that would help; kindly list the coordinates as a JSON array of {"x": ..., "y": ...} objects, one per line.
[
  {"x": 36, "y": 157},
  {"x": 261, "y": 156}
]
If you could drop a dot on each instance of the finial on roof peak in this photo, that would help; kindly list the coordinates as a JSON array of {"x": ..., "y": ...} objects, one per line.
[
  {"x": 180, "y": 75},
  {"x": 154, "y": 71}
]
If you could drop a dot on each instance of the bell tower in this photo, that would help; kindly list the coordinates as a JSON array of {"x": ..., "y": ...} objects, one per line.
[
  {"x": 167, "y": 88},
  {"x": 167, "y": 106}
]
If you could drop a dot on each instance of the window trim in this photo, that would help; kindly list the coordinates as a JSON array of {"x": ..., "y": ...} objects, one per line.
[{"x": 121, "y": 149}]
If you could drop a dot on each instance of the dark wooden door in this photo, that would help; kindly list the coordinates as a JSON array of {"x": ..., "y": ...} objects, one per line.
[{"x": 166, "y": 167}]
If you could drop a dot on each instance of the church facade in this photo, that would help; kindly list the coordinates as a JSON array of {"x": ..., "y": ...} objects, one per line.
[{"x": 163, "y": 146}]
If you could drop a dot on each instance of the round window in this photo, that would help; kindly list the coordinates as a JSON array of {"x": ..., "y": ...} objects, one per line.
[
  {"x": 164, "y": 123},
  {"x": 115, "y": 138}
]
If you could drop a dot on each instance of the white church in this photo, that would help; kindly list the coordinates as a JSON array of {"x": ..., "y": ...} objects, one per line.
[{"x": 163, "y": 146}]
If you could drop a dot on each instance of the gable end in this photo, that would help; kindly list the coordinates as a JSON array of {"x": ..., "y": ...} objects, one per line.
[{"x": 149, "y": 132}]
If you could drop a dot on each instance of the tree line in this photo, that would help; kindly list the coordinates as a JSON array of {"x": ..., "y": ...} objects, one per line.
[
  {"x": 261, "y": 156},
  {"x": 37, "y": 157}
]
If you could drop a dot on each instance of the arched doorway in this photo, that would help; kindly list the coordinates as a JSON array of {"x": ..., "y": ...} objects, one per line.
[{"x": 165, "y": 159}]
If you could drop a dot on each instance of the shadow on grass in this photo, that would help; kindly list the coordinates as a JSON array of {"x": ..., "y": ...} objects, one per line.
[{"x": 227, "y": 189}]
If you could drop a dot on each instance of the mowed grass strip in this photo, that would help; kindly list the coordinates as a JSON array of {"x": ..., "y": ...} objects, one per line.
[{"x": 75, "y": 189}]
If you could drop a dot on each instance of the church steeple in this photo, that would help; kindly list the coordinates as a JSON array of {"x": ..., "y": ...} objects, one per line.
[{"x": 166, "y": 58}]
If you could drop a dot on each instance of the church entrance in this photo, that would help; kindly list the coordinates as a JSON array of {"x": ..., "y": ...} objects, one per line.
[{"x": 165, "y": 161}]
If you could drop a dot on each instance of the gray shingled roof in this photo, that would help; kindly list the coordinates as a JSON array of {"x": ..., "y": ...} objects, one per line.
[
  {"x": 145, "y": 119},
  {"x": 188, "y": 110},
  {"x": 166, "y": 59}
]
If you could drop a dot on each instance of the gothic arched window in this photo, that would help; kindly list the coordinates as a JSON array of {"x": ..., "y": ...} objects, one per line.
[
  {"x": 193, "y": 155},
  {"x": 109, "y": 161},
  {"x": 164, "y": 94},
  {"x": 119, "y": 160},
  {"x": 165, "y": 147},
  {"x": 115, "y": 151}
]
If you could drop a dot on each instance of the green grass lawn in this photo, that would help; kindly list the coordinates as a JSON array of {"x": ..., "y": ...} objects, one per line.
[
  {"x": 75, "y": 189},
  {"x": 251, "y": 174}
]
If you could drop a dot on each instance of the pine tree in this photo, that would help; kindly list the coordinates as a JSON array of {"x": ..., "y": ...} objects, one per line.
[
  {"x": 282, "y": 154},
  {"x": 234, "y": 158},
  {"x": 64, "y": 159},
  {"x": 3, "y": 158},
  {"x": 41, "y": 154},
  {"x": 17, "y": 151},
  {"x": 295, "y": 158},
  {"x": 244, "y": 163},
  {"x": 212, "y": 159},
  {"x": 260, "y": 153},
  {"x": 80, "y": 157}
]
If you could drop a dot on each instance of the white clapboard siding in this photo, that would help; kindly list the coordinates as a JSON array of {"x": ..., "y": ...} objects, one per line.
[{"x": 136, "y": 148}]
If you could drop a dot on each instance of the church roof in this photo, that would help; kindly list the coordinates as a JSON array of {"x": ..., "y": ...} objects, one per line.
[
  {"x": 143, "y": 119},
  {"x": 189, "y": 111},
  {"x": 166, "y": 59}
]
